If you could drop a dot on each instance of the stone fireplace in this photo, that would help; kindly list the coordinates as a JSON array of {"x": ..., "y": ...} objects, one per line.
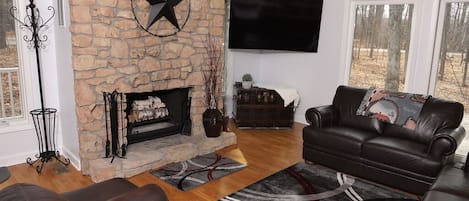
[{"x": 110, "y": 52}]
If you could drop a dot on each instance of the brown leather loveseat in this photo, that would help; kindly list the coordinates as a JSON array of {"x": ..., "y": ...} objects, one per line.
[
  {"x": 385, "y": 153},
  {"x": 111, "y": 190}
]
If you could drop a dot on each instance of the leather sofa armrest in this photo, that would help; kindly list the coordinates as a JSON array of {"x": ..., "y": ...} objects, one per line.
[
  {"x": 445, "y": 142},
  {"x": 149, "y": 192},
  {"x": 322, "y": 116}
]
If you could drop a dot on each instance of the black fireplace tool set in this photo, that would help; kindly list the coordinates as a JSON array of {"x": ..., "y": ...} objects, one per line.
[{"x": 113, "y": 103}]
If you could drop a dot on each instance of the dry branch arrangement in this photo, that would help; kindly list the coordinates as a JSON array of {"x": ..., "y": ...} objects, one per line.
[{"x": 212, "y": 71}]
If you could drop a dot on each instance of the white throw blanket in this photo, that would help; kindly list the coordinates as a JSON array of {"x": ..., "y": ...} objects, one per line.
[{"x": 288, "y": 94}]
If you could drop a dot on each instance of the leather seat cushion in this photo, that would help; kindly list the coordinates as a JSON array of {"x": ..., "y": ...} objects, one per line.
[
  {"x": 101, "y": 191},
  {"x": 452, "y": 180},
  {"x": 443, "y": 196},
  {"x": 338, "y": 139},
  {"x": 402, "y": 154},
  {"x": 28, "y": 192}
]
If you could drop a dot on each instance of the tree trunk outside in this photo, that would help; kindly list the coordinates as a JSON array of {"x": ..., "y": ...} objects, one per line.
[
  {"x": 444, "y": 47},
  {"x": 362, "y": 30},
  {"x": 407, "y": 31},
  {"x": 376, "y": 25},
  {"x": 466, "y": 44},
  {"x": 394, "y": 48},
  {"x": 464, "y": 78},
  {"x": 355, "y": 36},
  {"x": 372, "y": 20}
]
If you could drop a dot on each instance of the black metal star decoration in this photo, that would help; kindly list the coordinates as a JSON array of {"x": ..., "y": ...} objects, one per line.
[{"x": 160, "y": 8}]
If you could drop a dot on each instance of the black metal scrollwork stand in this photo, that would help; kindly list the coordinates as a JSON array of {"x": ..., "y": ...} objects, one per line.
[{"x": 44, "y": 118}]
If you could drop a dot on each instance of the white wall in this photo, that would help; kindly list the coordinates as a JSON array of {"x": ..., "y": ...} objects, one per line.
[
  {"x": 66, "y": 89},
  {"x": 238, "y": 63},
  {"x": 19, "y": 141},
  {"x": 314, "y": 75}
]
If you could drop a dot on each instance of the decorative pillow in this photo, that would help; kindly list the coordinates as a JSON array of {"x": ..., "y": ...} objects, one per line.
[{"x": 398, "y": 108}]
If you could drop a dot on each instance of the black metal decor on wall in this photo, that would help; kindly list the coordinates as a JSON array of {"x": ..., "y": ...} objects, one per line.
[
  {"x": 43, "y": 118},
  {"x": 159, "y": 9}
]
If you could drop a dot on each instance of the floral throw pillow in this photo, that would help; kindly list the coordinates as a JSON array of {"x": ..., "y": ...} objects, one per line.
[{"x": 398, "y": 108}]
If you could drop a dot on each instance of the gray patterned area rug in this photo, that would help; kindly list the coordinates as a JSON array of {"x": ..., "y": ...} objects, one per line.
[
  {"x": 312, "y": 182},
  {"x": 194, "y": 172}
]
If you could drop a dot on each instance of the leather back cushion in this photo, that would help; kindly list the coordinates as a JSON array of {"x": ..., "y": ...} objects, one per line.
[
  {"x": 28, "y": 192},
  {"x": 346, "y": 101},
  {"x": 437, "y": 114}
]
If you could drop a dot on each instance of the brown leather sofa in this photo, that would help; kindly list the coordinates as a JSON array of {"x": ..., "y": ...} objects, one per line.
[
  {"x": 382, "y": 152},
  {"x": 110, "y": 190}
]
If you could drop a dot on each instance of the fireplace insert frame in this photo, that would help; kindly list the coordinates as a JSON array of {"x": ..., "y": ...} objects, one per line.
[{"x": 178, "y": 102}]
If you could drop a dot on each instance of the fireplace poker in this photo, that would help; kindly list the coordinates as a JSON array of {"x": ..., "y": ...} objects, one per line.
[
  {"x": 108, "y": 143},
  {"x": 123, "y": 146}
]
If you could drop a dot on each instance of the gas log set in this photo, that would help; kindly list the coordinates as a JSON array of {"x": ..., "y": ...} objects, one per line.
[
  {"x": 149, "y": 109},
  {"x": 136, "y": 117}
]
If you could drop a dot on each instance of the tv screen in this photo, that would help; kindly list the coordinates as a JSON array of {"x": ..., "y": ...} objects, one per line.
[{"x": 275, "y": 24}]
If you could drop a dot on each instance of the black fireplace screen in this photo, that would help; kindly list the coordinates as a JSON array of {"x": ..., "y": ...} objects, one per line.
[{"x": 136, "y": 117}]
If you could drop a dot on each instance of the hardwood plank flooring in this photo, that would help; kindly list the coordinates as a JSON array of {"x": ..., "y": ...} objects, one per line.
[{"x": 265, "y": 151}]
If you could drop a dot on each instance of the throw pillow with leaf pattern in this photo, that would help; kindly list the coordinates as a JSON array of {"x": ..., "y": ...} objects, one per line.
[{"x": 398, "y": 108}]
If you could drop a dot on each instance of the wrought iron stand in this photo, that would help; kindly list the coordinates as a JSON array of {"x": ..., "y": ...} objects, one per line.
[{"x": 44, "y": 118}]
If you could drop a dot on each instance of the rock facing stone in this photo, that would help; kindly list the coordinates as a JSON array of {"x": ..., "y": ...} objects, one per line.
[{"x": 110, "y": 52}]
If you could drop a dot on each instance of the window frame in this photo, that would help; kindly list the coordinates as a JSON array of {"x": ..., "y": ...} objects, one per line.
[{"x": 410, "y": 85}]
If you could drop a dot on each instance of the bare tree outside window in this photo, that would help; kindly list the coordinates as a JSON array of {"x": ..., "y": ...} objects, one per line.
[
  {"x": 452, "y": 81},
  {"x": 380, "y": 46},
  {"x": 394, "y": 48}
]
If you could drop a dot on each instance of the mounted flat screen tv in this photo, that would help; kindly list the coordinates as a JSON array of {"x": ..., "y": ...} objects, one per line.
[{"x": 275, "y": 24}]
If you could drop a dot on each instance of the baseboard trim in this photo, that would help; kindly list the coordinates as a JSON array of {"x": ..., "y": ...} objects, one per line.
[
  {"x": 19, "y": 158},
  {"x": 74, "y": 160},
  {"x": 15, "y": 159}
]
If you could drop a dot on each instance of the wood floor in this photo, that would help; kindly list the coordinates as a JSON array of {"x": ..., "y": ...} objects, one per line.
[{"x": 264, "y": 151}]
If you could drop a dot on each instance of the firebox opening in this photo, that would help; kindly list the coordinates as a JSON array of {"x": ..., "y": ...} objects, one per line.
[{"x": 157, "y": 114}]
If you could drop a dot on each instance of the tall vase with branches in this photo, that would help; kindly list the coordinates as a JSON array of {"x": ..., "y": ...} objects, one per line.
[
  {"x": 212, "y": 117},
  {"x": 212, "y": 71}
]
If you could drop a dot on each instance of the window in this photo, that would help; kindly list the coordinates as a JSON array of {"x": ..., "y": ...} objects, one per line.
[
  {"x": 16, "y": 93},
  {"x": 380, "y": 49},
  {"x": 10, "y": 89},
  {"x": 451, "y": 59}
]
